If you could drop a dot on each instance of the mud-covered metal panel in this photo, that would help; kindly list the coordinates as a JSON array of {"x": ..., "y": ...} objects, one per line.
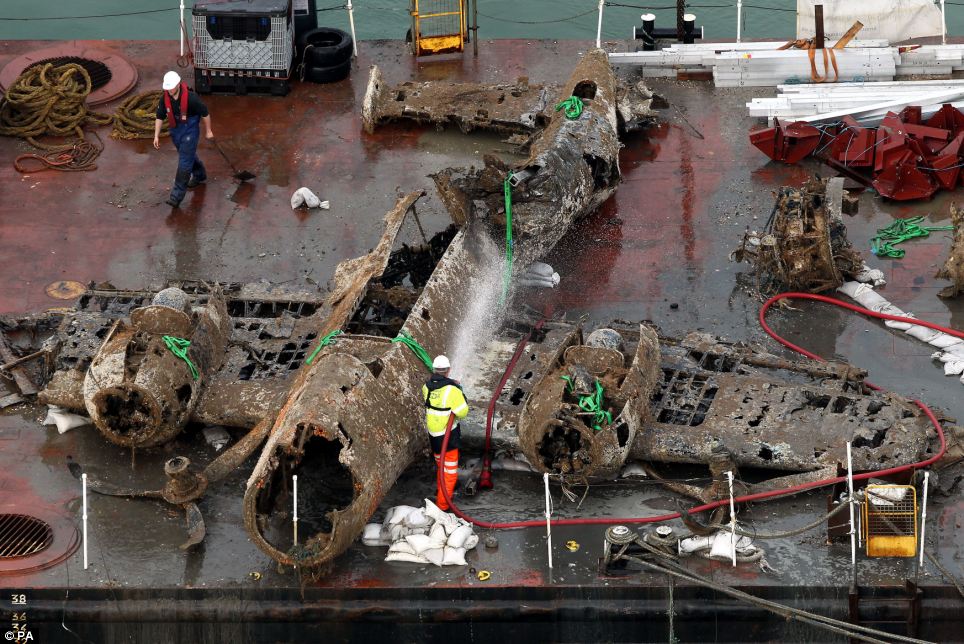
[{"x": 512, "y": 108}]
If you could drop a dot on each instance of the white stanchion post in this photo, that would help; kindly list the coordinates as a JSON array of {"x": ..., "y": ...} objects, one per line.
[
  {"x": 599, "y": 25},
  {"x": 351, "y": 21},
  {"x": 180, "y": 27},
  {"x": 83, "y": 481},
  {"x": 545, "y": 480},
  {"x": 923, "y": 516},
  {"x": 739, "y": 19},
  {"x": 294, "y": 492},
  {"x": 943, "y": 25},
  {"x": 850, "y": 500},
  {"x": 729, "y": 478}
]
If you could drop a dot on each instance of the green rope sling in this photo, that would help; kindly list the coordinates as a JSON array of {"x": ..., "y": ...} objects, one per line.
[
  {"x": 882, "y": 244},
  {"x": 179, "y": 347}
]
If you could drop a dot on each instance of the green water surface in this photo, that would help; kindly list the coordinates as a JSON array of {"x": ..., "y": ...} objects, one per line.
[{"x": 537, "y": 19}]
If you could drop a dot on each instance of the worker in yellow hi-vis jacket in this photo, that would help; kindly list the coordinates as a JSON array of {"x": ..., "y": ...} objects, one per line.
[{"x": 443, "y": 397}]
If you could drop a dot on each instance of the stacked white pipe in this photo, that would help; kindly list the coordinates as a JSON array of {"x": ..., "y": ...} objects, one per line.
[
  {"x": 704, "y": 57},
  {"x": 868, "y": 103},
  {"x": 770, "y": 68},
  {"x": 764, "y": 64}
]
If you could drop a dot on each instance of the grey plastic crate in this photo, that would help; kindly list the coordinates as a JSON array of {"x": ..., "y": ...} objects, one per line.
[{"x": 256, "y": 36}]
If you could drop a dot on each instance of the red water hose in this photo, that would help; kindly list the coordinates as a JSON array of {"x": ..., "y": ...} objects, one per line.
[
  {"x": 485, "y": 478},
  {"x": 749, "y": 497}
]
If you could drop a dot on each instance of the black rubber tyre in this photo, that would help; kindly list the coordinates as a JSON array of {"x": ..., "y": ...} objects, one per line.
[
  {"x": 331, "y": 74},
  {"x": 324, "y": 47}
]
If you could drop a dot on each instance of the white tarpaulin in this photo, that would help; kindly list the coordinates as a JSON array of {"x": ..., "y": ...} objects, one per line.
[{"x": 893, "y": 20}]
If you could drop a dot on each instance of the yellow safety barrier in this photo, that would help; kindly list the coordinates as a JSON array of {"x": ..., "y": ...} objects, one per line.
[
  {"x": 438, "y": 26},
  {"x": 890, "y": 520}
]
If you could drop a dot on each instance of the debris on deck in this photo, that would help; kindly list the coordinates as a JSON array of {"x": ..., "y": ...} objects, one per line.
[
  {"x": 803, "y": 245},
  {"x": 953, "y": 268}
]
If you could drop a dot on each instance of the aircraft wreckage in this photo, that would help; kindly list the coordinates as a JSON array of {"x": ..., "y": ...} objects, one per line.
[
  {"x": 331, "y": 386},
  {"x": 584, "y": 405}
]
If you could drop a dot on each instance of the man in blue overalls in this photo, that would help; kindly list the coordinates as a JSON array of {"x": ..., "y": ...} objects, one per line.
[{"x": 184, "y": 112}]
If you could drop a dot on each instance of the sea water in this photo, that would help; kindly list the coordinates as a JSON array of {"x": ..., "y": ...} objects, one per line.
[{"x": 389, "y": 19}]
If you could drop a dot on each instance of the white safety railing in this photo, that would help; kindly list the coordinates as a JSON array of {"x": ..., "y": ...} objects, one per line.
[{"x": 738, "y": 7}]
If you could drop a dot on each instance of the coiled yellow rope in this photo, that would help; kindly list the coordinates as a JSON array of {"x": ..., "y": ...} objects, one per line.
[
  {"x": 48, "y": 100},
  {"x": 134, "y": 118}
]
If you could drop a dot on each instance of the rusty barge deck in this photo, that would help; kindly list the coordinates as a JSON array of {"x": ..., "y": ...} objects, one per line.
[{"x": 657, "y": 250}]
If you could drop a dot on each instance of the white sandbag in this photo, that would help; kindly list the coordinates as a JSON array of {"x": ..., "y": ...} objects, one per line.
[
  {"x": 437, "y": 514},
  {"x": 953, "y": 368},
  {"x": 432, "y": 511},
  {"x": 437, "y": 533},
  {"x": 922, "y": 333},
  {"x": 305, "y": 197},
  {"x": 404, "y": 556},
  {"x": 398, "y": 514},
  {"x": 944, "y": 341},
  {"x": 422, "y": 542},
  {"x": 955, "y": 351},
  {"x": 402, "y": 546},
  {"x": 373, "y": 535},
  {"x": 453, "y": 557},
  {"x": 64, "y": 420},
  {"x": 458, "y": 537},
  {"x": 428, "y": 543},
  {"x": 434, "y": 555},
  {"x": 416, "y": 519},
  {"x": 872, "y": 276}
]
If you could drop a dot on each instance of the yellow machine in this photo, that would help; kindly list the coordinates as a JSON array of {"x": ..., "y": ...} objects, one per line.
[
  {"x": 439, "y": 26},
  {"x": 890, "y": 520}
]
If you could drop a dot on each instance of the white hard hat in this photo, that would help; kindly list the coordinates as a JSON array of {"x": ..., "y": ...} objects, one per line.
[
  {"x": 440, "y": 363},
  {"x": 171, "y": 80}
]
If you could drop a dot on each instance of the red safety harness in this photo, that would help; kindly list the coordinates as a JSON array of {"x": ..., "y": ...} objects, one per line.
[{"x": 167, "y": 106}]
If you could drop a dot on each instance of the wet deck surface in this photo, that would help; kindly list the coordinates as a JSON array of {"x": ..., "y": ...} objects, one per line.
[{"x": 690, "y": 188}]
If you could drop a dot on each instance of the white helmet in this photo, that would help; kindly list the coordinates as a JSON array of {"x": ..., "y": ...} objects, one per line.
[
  {"x": 171, "y": 80},
  {"x": 441, "y": 363}
]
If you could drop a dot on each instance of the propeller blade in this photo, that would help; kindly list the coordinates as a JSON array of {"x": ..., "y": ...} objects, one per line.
[
  {"x": 237, "y": 453},
  {"x": 195, "y": 526},
  {"x": 108, "y": 489}
]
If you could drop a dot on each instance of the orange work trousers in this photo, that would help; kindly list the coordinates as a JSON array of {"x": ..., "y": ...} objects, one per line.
[{"x": 450, "y": 475}]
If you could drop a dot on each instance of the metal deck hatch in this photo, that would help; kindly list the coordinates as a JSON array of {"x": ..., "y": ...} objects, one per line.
[{"x": 22, "y": 535}]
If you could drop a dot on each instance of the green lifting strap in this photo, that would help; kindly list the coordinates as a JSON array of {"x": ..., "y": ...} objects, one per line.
[
  {"x": 593, "y": 403},
  {"x": 572, "y": 107},
  {"x": 416, "y": 348},
  {"x": 325, "y": 341},
  {"x": 882, "y": 244},
  {"x": 507, "y": 273},
  {"x": 179, "y": 347}
]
